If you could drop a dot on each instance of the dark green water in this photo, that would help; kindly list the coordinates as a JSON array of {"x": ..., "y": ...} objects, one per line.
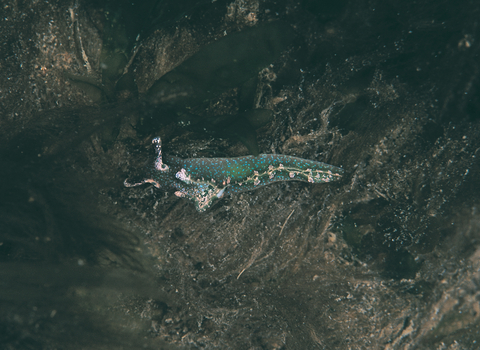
[{"x": 387, "y": 257}]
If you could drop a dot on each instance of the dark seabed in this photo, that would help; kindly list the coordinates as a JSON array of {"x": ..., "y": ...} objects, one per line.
[{"x": 387, "y": 257}]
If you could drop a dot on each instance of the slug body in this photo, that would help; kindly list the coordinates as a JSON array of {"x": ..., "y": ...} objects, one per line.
[{"x": 204, "y": 180}]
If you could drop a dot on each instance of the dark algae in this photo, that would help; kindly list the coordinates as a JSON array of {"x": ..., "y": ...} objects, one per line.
[
  {"x": 230, "y": 62},
  {"x": 224, "y": 64}
]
